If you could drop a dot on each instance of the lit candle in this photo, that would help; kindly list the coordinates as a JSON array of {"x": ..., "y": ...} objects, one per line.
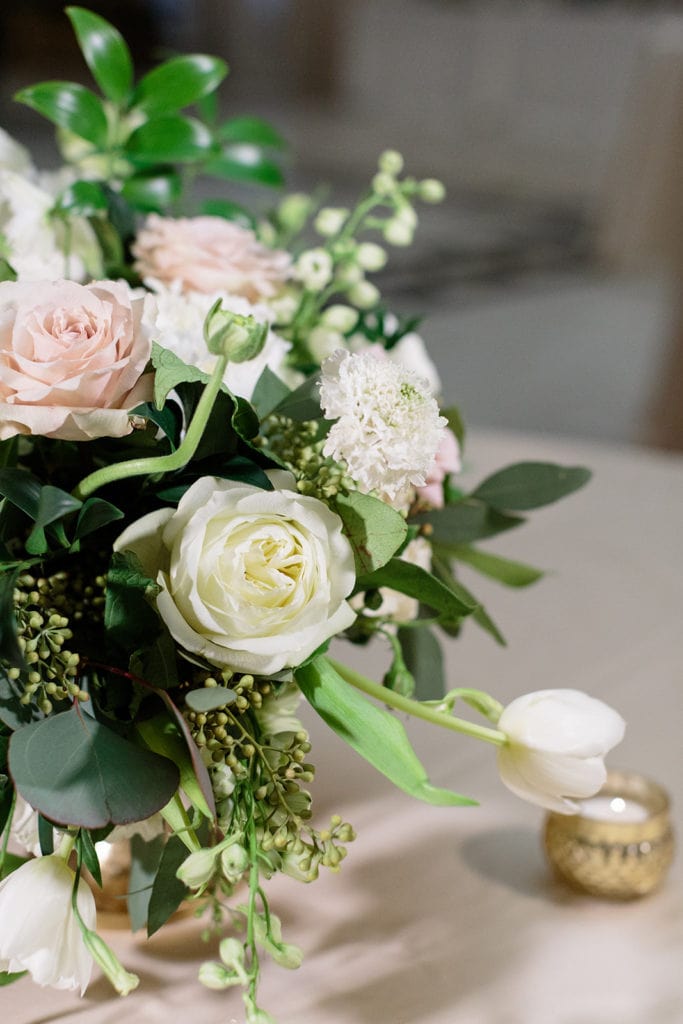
[{"x": 614, "y": 808}]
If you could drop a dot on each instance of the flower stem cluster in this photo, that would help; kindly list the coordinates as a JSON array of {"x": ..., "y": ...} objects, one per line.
[
  {"x": 43, "y": 631},
  {"x": 297, "y": 446}
]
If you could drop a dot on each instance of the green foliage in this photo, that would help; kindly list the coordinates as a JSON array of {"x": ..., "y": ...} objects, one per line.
[
  {"x": 424, "y": 660},
  {"x": 168, "y": 892},
  {"x": 375, "y": 530},
  {"x": 105, "y": 51},
  {"x": 504, "y": 570},
  {"x": 451, "y": 602},
  {"x": 269, "y": 392},
  {"x": 528, "y": 485},
  {"x": 466, "y": 522},
  {"x": 372, "y": 732},
  {"x": 76, "y": 771},
  {"x": 69, "y": 106},
  {"x": 128, "y": 618},
  {"x": 162, "y": 735},
  {"x": 177, "y": 83}
]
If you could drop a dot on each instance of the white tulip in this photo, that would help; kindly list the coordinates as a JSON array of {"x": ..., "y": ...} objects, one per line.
[
  {"x": 556, "y": 743},
  {"x": 38, "y": 929}
]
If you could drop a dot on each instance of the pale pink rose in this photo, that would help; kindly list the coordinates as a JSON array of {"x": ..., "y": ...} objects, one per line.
[
  {"x": 209, "y": 254},
  {"x": 72, "y": 358},
  {"x": 447, "y": 461}
]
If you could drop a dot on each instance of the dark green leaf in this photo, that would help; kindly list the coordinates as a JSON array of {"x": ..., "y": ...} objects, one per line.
[
  {"x": 86, "y": 198},
  {"x": 53, "y": 504},
  {"x": 455, "y": 422},
  {"x": 164, "y": 418},
  {"x": 442, "y": 570},
  {"x": 152, "y": 193},
  {"x": 69, "y": 106},
  {"x": 528, "y": 485},
  {"x": 199, "y": 771},
  {"x": 303, "y": 403},
  {"x": 161, "y": 734},
  {"x": 105, "y": 52},
  {"x": 77, "y": 772},
  {"x": 22, "y": 489},
  {"x": 171, "y": 371},
  {"x": 128, "y": 618},
  {"x": 156, "y": 663},
  {"x": 374, "y": 529},
  {"x": 228, "y": 211},
  {"x": 12, "y": 713},
  {"x": 466, "y": 522},
  {"x": 424, "y": 659},
  {"x": 247, "y": 472},
  {"x": 88, "y": 854},
  {"x": 168, "y": 892},
  {"x": 451, "y": 602},
  {"x": 177, "y": 83},
  {"x": 9, "y": 451},
  {"x": 269, "y": 392},
  {"x": 46, "y": 836},
  {"x": 244, "y": 162},
  {"x": 7, "y": 273},
  {"x": 144, "y": 864},
  {"x": 171, "y": 139},
  {"x": 95, "y": 514},
  {"x": 250, "y": 129},
  {"x": 374, "y": 733},
  {"x": 512, "y": 574},
  {"x": 11, "y": 862},
  {"x": 9, "y": 646}
]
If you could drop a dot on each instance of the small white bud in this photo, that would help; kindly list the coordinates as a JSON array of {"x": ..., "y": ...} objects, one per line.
[
  {"x": 340, "y": 318},
  {"x": 314, "y": 269},
  {"x": 364, "y": 295},
  {"x": 431, "y": 191},
  {"x": 383, "y": 184},
  {"x": 197, "y": 869},
  {"x": 330, "y": 221},
  {"x": 397, "y": 232},
  {"x": 391, "y": 162},
  {"x": 293, "y": 211},
  {"x": 322, "y": 342},
  {"x": 371, "y": 256}
]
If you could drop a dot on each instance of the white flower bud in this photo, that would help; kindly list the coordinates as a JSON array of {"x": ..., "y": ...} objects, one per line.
[
  {"x": 383, "y": 184},
  {"x": 234, "y": 862},
  {"x": 431, "y": 191},
  {"x": 322, "y": 342},
  {"x": 222, "y": 782},
  {"x": 348, "y": 274},
  {"x": 556, "y": 744},
  {"x": 340, "y": 318},
  {"x": 231, "y": 952},
  {"x": 197, "y": 869},
  {"x": 406, "y": 215},
  {"x": 123, "y": 981},
  {"x": 371, "y": 256},
  {"x": 314, "y": 269},
  {"x": 397, "y": 232},
  {"x": 293, "y": 211},
  {"x": 330, "y": 221},
  {"x": 214, "y": 976},
  {"x": 364, "y": 295},
  {"x": 391, "y": 162}
]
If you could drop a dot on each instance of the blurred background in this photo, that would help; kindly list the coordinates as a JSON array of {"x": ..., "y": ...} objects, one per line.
[{"x": 551, "y": 277}]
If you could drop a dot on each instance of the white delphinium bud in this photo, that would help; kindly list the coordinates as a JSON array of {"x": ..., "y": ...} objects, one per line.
[
  {"x": 388, "y": 425},
  {"x": 293, "y": 211},
  {"x": 322, "y": 342},
  {"x": 330, "y": 221},
  {"x": 371, "y": 256},
  {"x": 364, "y": 295},
  {"x": 234, "y": 862},
  {"x": 198, "y": 868},
  {"x": 391, "y": 162},
  {"x": 314, "y": 269},
  {"x": 556, "y": 744},
  {"x": 397, "y": 232},
  {"x": 384, "y": 184},
  {"x": 277, "y": 713},
  {"x": 122, "y": 980},
  {"x": 340, "y": 318},
  {"x": 431, "y": 191}
]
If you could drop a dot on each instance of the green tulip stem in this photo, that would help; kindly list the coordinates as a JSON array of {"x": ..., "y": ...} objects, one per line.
[
  {"x": 416, "y": 708},
  {"x": 161, "y": 463}
]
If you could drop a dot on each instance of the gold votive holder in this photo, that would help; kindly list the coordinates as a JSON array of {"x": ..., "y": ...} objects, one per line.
[{"x": 620, "y": 845}]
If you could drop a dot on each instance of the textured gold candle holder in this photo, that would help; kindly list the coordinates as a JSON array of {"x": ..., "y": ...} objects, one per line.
[{"x": 619, "y": 848}]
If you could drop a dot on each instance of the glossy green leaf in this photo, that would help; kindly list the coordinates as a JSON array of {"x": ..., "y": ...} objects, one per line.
[
  {"x": 168, "y": 892},
  {"x": 177, "y": 83},
  {"x": 161, "y": 735},
  {"x": 69, "y": 106},
  {"x": 21, "y": 489},
  {"x": 152, "y": 193},
  {"x": 228, "y": 211},
  {"x": 105, "y": 52},
  {"x": 128, "y": 617},
  {"x": 372, "y": 732},
  {"x": 75, "y": 771},
  {"x": 452, "y": 602},
  {"x": 466, "y": 522},
  {"x": 374, "y": 529},
  {"x": 424, "y": 659},
  {"x": 88, "y": 855},
  {"x": 528, "y": 485},
  {"x": 244, "y": 162},
  {"x": 250, "y": 129},
  {"x": 504, "y": 570},
  {"x": 170, "y": 139},
  {"x": 268, "y": 393},
  {"x": 145, "y": 857},
  {"x": 95, "y": 513},
  {"x": 86, "y": 198}
]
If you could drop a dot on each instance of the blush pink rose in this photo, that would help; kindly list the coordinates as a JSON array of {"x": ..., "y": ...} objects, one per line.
[
  {"x": 447, "y": 461},
  {"x": 209, "y": 254},
  {"x": 72, "y": 358}
]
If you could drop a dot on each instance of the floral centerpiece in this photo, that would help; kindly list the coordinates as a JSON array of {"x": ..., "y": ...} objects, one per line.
[{"x": 218, "y": 452}]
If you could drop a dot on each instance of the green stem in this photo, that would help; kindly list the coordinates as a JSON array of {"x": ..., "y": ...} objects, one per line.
[
  {"x": 416, "y": 708},
  {"x": 176, "y": 816},
  {"x": 251, "y": 908},
  {"x": 161, "y": 463},
  {"x": 8, "y": 829},
  {"x": 66, "y": 846}
]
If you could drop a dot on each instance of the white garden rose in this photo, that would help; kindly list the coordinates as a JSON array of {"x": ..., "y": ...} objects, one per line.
[
  {"x": 250, "y": 579},
  {"x": 556, "y": 744}
]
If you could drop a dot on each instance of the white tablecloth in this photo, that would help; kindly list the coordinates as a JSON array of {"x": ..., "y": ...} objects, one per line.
[{"x": 450, "y": 916}]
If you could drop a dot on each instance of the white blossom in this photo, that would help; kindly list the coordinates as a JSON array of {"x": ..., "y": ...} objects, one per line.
[
  {"x": 314, "y": 269},
  {"x": 388, "y": 427},
  {"x": 556, "y": 744}
]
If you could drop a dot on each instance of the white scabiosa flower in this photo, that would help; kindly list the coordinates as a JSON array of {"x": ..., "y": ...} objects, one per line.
[
  {"x": 38, "y": 930},
  {"x": 388, "y": 427},
  {"x": 556, "y": 744}
]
